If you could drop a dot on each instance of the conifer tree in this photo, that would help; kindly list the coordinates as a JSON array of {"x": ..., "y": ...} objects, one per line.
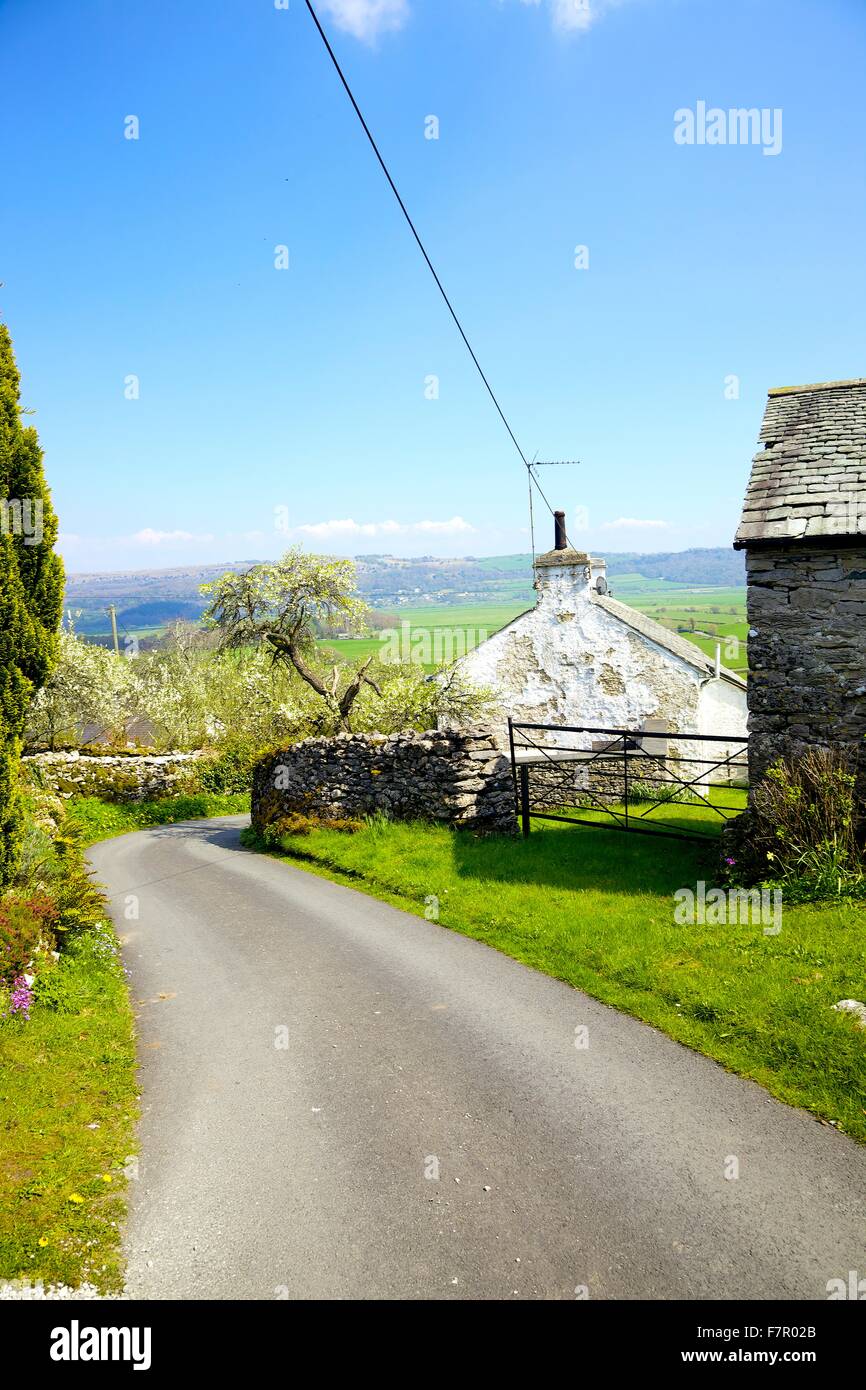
[{"x": 31, "y": 591}]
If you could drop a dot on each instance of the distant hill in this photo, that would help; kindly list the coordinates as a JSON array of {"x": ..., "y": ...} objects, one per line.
[
  {"x": 143, "y": 598},
  {"x": 152, "y": 598},
  {"x": 722, "y": 566}
]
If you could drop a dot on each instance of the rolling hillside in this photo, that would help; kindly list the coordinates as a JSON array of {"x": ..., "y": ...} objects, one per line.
[
  {"x": 450, "y": 605},
  {"x": 150, "y": 599}
]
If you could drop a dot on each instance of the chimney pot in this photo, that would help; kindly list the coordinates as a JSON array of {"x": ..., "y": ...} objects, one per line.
[{"x": 560, "y": 541}]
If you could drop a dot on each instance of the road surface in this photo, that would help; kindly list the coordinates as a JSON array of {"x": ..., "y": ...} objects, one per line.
[{"x": 341, "y": 1100}]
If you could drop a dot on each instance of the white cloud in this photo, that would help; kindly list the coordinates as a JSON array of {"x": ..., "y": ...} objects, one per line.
[
  {"x": 444, "y": 528},
  {"x": 626, "y": 523},
  {"x": 328, "y": 530},
  {"x": 576, "y": 16},
  {"x": 324, "y": 530},
  {"x": 366, "y": 19},
  {"x": 151, "y": 537}
]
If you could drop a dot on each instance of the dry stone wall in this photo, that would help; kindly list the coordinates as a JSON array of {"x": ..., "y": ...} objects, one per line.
[
  {"x": 459, "y": 777},
  {"x": 114, "y": 777}
]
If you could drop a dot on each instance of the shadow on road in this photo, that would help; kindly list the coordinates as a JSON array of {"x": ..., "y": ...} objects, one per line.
[{"x": 224, "y": 833}]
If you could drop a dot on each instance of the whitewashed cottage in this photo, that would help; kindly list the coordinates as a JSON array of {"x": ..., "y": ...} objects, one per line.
[{"x": 580, "y": 657}]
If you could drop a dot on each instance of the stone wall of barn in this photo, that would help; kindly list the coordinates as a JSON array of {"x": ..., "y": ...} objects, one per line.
[
  {"x": 460, "y": 777},
  {"x": 807, "y": 650}
]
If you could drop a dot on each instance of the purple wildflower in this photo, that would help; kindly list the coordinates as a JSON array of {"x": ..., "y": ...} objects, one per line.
[
  {"x": 730, "y": 861},
  {"x": 22, "y": 998}
]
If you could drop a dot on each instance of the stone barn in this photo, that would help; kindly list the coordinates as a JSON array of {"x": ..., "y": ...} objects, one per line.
[
  {"x": 580, "y": 657},
  {"x": 803, "y": 529}
]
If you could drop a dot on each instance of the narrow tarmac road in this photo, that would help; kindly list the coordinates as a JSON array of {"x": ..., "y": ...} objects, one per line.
[{"x": 341, "y": 1100}]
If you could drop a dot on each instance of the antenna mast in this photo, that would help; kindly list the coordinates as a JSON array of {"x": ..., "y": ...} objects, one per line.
[{"x": 543, "y": 463}]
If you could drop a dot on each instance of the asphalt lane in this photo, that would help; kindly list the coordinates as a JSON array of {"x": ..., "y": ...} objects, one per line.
[{"x": 341, "y": 1100}]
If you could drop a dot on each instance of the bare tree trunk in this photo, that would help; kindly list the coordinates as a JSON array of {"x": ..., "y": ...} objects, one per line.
[
  {"x": 353, "y": 690},
  {"x": 287, "y": 648}
]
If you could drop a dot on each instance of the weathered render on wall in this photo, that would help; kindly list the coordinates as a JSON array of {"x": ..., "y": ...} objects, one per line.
[
  {"x": 582, "y": 658},
  {"x": 461, "y": 777},
  {"x": 804, "y": 532}
]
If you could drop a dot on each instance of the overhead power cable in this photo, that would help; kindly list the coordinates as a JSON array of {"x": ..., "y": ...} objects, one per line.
[{"x": 441, "y": 288}]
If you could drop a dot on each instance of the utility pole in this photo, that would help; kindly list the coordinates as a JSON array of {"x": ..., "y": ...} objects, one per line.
[{"x": 112, "y": 612}]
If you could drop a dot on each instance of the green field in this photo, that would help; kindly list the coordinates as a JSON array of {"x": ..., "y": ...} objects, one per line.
[
  {"x": 445, "y": 632},
  {"x": 702, "y": 615},
  {"x": 516, "y": 564},
  {"x": 692, "y": 612}
]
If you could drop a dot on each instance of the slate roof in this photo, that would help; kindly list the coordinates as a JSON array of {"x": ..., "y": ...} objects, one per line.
[
  {"x": 663, "y": 637},
  {"x": 809, "y": 479}
]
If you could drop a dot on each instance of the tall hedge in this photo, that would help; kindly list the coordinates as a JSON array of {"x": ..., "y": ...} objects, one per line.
[{"x": 31, "y": 591}]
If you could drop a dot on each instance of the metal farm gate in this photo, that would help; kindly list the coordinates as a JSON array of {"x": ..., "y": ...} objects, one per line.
[{"x": 651, "y": 781}]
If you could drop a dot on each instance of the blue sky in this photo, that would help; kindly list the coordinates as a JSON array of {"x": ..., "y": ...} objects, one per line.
[{"x": 281, "y": 405}]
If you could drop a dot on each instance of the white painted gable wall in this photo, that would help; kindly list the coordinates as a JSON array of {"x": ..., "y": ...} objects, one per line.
[{"x": 569, "y": 661}]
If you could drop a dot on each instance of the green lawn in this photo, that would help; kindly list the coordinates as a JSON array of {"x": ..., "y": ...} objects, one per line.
[
  {"x": 595, "y": 908},
  {"x": 654, "y": 816}
]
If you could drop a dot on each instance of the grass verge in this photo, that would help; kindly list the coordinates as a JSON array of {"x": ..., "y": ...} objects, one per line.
[
  {"x": 595, "y": 908},
  {"x": 102, "y": 820},
  {"x": 68, "y": 1091},
  {"x": 68, "y": 1106}
]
